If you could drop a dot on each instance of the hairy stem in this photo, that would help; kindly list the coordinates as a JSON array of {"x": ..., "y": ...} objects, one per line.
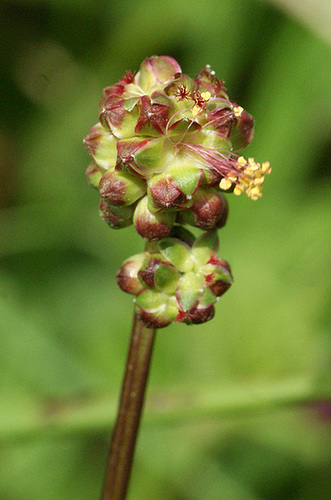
[{"x": 132, "y": 398}]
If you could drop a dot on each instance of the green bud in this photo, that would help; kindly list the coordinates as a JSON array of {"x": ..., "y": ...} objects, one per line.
[
  {"x": 209, "y": 210},
  {"x": 185, "y": 174},
  {"x": 127, "y": 276},
  {"x": 151, "y": 226},
  {"x": 181, "y": 281},
  {"x": 157, "y": 272},
  {"x": 94, "y": 174},
  {"x": 120, "y": 188},
  {"x": 178, "y": 253},
  {"x": 119, "y": 121},
  {"x": 102, "y": 147},
  {"x": 155, "y": 71},
  {"x": 189, "y": 290},
  {"x": 116, "y": 217},
  {"x": 156, "y": 309}
]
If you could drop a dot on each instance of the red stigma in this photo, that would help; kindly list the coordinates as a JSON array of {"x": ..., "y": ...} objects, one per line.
[
  {"x": 180, "y": 316},
  {"x": 198, "y": 99},
  {"x": 128, "y": 77},
  {"x": 182, "y": 93},
  {"x": 213, "y": 260},
  {"x": 210, "y": 278}
]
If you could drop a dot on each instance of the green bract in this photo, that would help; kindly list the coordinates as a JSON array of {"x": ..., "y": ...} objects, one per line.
[{"x": 176, "y": 280}]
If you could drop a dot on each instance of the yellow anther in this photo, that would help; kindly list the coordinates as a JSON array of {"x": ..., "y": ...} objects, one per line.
[
  {"x": 238, "y": 190},
  {"x": 195, "y": 110},
  {"x": 225, "y": 184},
  {"x": 245, "y": 182},
  {"x": 206, "y": 95},
  {"x": 248, "y": 176},
  {"x": 241, "y": 161},
  {"x": 258, "y": 181},
  {"x": 253, "y": 165},
  {"x": 232, "y": 178},
  {"x": 237, "y": 110},
  {"x": 266, "y": 169},
  {"x": 255, "y": 192}
]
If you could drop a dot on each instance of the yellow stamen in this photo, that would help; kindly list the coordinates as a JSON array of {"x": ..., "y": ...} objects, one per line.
[
  {"x": 266, "y": 169},
  {"x": 206, "y": 95},
  {"x": 195, "y": 110},
  {"x": 241, "y": 161},
  {"x": 232, "y": 178},
  {"x": 237, "y": 110},
  {"x": 258, "y": 181},
  {"x": 238, "y": 190},
  {"x": 225, "y": 184},
  {"x": 249, "y": 178},
  {"x": 254, "y": 193}
]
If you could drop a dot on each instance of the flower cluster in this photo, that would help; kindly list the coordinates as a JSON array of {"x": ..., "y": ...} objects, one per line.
[
  {"x": 164, "y": 150},
  {"x": 176, "y": 279}
]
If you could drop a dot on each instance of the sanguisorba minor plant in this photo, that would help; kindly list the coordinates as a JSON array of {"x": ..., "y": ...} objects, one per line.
[{"x": 164, "y": 152}]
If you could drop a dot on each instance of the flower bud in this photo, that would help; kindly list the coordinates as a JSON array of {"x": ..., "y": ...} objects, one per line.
[
  {"x": 142, "y": 157},
  {"x": 150, "y": 226},
  {"x": 120, "y": 188},
  {"x": 209, "y": 210},
  {"x": 156, "y": 309},
  {"x": 158, "y": 273},
  {"x": 198, "y": 315},
  {"x": 152, "y": 119},
  {"x": 185, "y": 174},
  {"x": 242, "y": 131},
  {"x": 163, "y": 193},
  {"x": 156, "y": 71},
  {"x": 120, "y": 121},
  {"x": 127, "y": 276},
  {"x": 93, "y": 174},
  {"x": 102, "y": 146},
  {"x": 116, "y": 217},
  {"x": 220, "y": 278},
  {"x": 180, "y": 280}
]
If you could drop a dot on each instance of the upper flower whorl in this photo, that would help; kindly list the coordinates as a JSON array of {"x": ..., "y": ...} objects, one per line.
[{"x": 162, "y": 142}]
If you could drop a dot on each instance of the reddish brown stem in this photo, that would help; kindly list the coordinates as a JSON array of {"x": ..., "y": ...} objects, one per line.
[{"x": 132, "y": 398}]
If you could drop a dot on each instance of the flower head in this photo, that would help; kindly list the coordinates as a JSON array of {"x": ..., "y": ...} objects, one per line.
[
  {"x": 165, "y": 142},
  {"x": 178, "y": 279}
]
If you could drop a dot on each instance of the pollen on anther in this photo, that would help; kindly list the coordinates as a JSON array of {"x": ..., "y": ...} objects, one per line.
[
  {"x": 195, "y": 110},
  {"x": 237, "y": 110},
  {"x": 266, "y": 169},
  {"x": 225, "y": 184},
  {"x": 238, "y": 190},
  {"x": 206, "y": 95},
  {"x": 242, "y": 160}
]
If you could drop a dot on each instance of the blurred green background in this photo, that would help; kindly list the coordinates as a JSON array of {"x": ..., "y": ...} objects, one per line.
[{"x": 235, "y": 407}]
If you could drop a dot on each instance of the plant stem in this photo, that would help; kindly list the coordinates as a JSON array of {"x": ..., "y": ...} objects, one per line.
[{"x": 132, "y": 398}]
